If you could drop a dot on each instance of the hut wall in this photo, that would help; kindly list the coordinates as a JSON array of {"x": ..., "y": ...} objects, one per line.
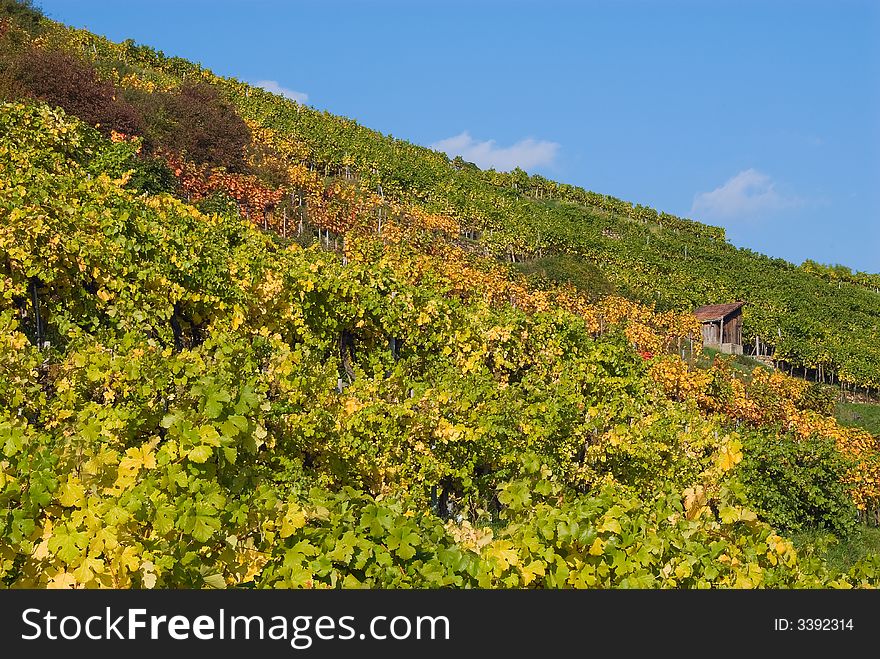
[
  {"x": 711, "y": 333},
  {"x": 733, "y": 329}
]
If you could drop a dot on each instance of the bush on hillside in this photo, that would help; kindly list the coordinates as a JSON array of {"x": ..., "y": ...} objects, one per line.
[
  {"x": 61, "y": 80},
  {"x": 797, "y": 484},
  {"x": 197, "y": 123},
  {"x": 566, "y": 269},
  {"x": 152, "y": 175}
]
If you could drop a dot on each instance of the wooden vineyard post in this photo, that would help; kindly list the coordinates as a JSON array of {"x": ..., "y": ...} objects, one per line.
[{"x": 38, "y": 324}]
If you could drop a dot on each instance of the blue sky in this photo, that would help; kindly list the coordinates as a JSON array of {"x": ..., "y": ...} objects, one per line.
[{"x": 762, "y": 117}]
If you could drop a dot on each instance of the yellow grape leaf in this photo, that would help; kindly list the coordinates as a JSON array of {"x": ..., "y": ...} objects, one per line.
[
  {"x": 504, "y": 554},
  {"x": 128, "y": 559},
  {"x": 253, "y": 561},
  {"x": 215, "y": 581},
  {"x": 209, "y": 435},
  {"x": 148, "y": 576},
  {"x": 742, "y": 581},
  {"x": 294, "y": 520},
  {"x": 89, "y": 569},
  {"x": 62, "y": 580},
  {"x": 531, "y": 571},
  {"x": 694, "y": 501},
  {"x": 597, "y": 547},
  {"x": 200, "y": 453},
  {"x": 728, "y": 514},
  {"x": 778, "y": 543},
  {"x": 730, "y": 455},
  {"x": 351, "y": 581},
  {"x": 72, "y": 492},
  {"x": 132, "y": 462},
  {"x": 609, "y": 524},
  {"x": 260, "y": 435},
  {"x": 41, "y": 550}
]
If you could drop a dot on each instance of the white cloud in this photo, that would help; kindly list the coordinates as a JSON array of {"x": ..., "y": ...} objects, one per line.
[
  {"x": 275, "y": 88},
  {"x": 526, "y": 154},
  {"x": 745, "y": 196}
]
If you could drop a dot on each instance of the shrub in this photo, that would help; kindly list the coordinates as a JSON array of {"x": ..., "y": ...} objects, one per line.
[
  {"x": 152, "y": 175},
  {"x": 146, "y": 173},
  {"x": 196, "y": 122},
  {"x": 61, "y": 80},
  {"x": 566, "y": 269},
  {"x": 797, "y": 483}
]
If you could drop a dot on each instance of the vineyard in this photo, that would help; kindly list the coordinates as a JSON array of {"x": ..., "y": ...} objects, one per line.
[{"x": 246, "y": 343}]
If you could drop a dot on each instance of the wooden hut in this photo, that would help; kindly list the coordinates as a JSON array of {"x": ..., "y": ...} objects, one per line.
[{"x": 722, "y": 326}]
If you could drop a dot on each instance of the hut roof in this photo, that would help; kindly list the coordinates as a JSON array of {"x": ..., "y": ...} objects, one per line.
[{"x": 716, "y": 311}]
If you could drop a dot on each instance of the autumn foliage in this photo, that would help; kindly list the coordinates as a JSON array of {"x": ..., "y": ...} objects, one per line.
[{"x": 58, "y": 78}]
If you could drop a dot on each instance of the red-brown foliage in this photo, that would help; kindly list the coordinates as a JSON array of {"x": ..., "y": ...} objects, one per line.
[
  {"x": 197, "y": 122},
  {"x": 60, "y": 79}
]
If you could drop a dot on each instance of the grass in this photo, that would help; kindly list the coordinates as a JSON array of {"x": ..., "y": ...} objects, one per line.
[
  {"x": 842, "y": 554},
  {"x": 861, "y": 415}
]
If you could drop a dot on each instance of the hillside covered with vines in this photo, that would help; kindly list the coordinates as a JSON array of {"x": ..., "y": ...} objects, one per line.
[
  {"x": 802, "y": 316},
  {"x": 244, "y": 343}
]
